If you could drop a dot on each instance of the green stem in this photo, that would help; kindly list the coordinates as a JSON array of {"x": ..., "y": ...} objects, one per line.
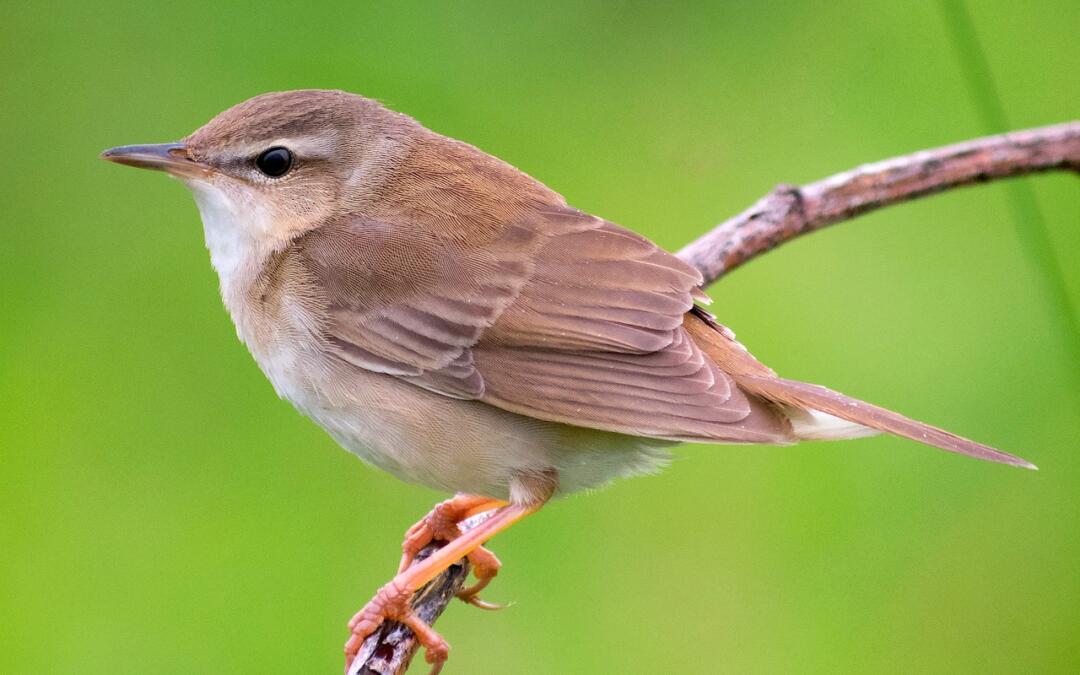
[{"x": 1031, "y": 228}]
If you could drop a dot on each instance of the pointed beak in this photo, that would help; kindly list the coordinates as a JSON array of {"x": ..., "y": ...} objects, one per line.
[{"x": 172, "y": 158}]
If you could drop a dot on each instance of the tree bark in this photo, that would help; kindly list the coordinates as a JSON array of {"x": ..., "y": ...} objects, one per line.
[
  {"x": 789, "y": 211},
  {"x": 780, "y": 216}
]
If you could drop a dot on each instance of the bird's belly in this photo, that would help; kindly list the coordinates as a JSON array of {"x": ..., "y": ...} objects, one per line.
[
  {"x": 414, "y": 434},
  {"x": 449, "y": 444}
]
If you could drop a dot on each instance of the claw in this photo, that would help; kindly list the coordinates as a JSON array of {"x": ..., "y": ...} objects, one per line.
[{"x": 483, "y": 604}]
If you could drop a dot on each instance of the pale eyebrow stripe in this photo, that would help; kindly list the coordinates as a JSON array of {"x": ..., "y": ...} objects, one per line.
[{"x": 312, "y": 146}]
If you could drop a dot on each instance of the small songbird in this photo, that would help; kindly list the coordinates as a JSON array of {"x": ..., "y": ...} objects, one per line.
[{"x": 453, "y": 321}]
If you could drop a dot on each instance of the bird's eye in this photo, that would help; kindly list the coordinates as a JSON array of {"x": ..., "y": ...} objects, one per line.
[{"x": 274, "y": 162}]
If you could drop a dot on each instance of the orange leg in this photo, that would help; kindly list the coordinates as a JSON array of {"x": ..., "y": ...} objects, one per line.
[
  {"x": 442, "y": 524},
  {"x": 392, "y": 601}
]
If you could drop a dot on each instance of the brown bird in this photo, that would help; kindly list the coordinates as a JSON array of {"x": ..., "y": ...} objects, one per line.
[{"x": 453, "y": 321}]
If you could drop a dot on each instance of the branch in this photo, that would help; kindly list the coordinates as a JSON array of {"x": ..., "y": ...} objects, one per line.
[
  {"x": 780, "y": 216},
  {"x": 389, "y": 650},
  {"x": 789, "y": 211}
]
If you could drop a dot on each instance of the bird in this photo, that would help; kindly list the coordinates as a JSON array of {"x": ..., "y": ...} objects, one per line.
[{"x": 453, "y": 321}]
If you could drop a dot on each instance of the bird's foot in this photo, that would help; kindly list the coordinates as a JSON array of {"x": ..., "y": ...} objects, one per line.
[
  {"x": 442, "y": 524},
  {"x": 484, "y": 567},
  {"x": 393, "y": 603}
]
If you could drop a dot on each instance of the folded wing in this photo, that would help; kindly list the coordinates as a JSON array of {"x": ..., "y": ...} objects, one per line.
[{"x": 559, "y": 315}]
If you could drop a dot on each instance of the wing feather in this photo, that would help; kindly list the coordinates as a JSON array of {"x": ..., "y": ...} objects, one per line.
[{"x": 558, "y": 315}]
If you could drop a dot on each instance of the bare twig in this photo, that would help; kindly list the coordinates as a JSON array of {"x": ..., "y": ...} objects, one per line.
[
  {"x": 788, "y": 211},
  {"x": 780, "y": 216}
]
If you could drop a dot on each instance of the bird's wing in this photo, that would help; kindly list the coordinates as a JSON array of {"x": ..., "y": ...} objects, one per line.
[
  {"x": 595, "y": 339},
  {"x": 408, "y": 302},
  {"x": 559, "y": 315}
]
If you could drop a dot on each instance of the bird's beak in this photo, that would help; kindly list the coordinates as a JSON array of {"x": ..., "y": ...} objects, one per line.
[{"x": 172, "y": 158}]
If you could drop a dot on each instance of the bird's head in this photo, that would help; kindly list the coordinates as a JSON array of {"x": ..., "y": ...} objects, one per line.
[{"x": 281, "y": 164}]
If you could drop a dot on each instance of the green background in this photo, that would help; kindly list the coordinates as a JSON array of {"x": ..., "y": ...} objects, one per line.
[{"x": 161, "y": 511}]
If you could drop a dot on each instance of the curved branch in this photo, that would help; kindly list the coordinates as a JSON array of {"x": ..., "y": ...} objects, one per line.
[
  {"x": 789, "y": 211},
  {"x": 781, "y": 216}
]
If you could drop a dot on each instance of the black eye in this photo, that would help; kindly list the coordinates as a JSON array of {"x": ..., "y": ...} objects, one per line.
[{"x": 274, "y": 162}]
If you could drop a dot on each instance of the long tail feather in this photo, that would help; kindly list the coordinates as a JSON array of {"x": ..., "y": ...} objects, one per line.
[
  {"x": 814, "y": 397},
  {"x": 756, "y": 378}
]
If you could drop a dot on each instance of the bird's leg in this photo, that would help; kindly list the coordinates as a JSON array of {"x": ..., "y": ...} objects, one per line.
[
  {"x": 392, "y": 601},
  {"x": 441, "y": 524}
]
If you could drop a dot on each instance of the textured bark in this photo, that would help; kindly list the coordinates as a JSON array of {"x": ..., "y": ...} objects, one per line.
[
  {"x": 789, "y": 211},
  {"x": 783, "y": 214}
]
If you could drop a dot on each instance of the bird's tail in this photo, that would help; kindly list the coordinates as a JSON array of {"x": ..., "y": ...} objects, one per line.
[
  {"x": 817, "y": 412},
  {"x": 801, "y": 395}
]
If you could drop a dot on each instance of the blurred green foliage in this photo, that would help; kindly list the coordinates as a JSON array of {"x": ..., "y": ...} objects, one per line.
[{"x": 161, "y": 511}]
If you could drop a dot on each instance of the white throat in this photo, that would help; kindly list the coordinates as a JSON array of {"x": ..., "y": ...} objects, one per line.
[
  {"x": 235, "y": 226},
  {"x": 237, "y": 229}
]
